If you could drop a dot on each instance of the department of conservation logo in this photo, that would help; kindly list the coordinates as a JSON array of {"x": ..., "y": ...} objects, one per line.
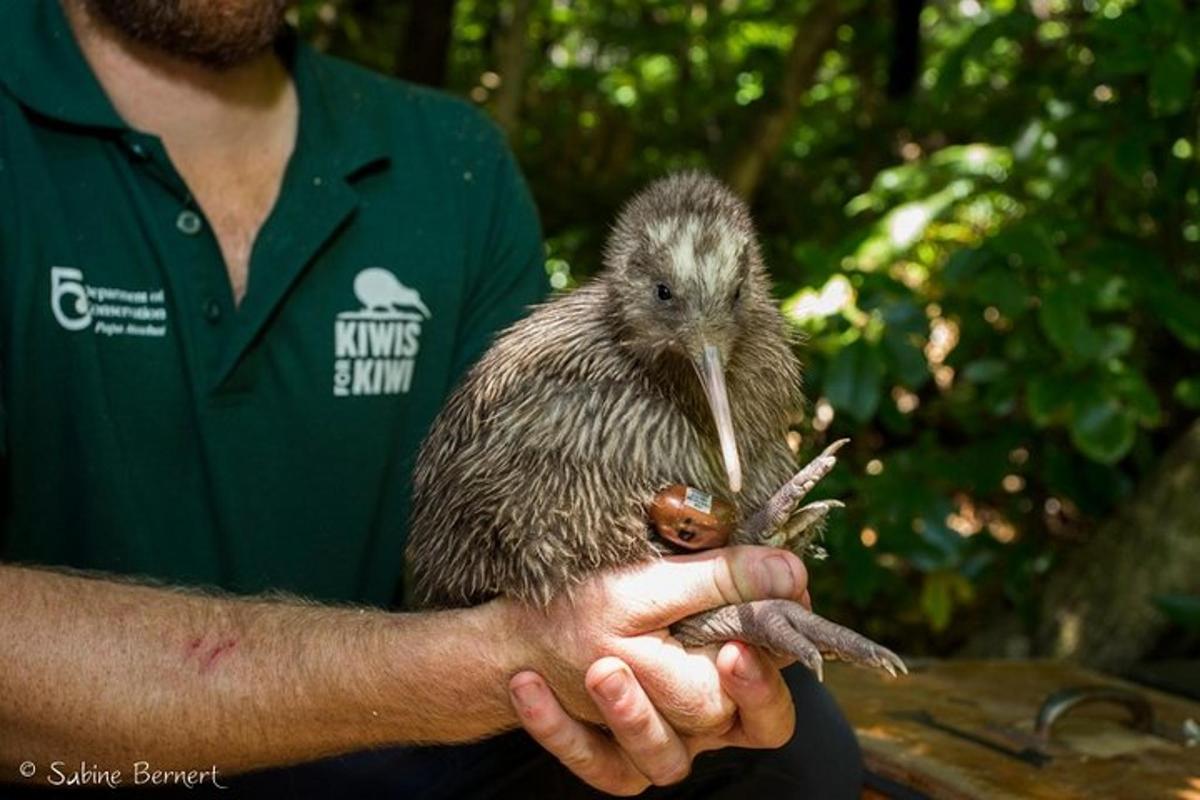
[
  {"x": 106, "y": 310},
  {"x": 375, "y": 347}
]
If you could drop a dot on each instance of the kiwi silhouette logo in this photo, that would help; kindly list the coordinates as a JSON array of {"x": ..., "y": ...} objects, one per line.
[
  {"x": 375, "y": 347},
  {"x": 380, "y": 292}
]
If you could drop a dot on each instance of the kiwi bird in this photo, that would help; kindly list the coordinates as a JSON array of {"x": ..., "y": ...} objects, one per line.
[{"x": 673, "y": 365}]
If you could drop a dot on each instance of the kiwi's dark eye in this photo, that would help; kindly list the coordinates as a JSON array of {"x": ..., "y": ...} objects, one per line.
[
  {"x": 664, "y": 291},
  {"x": 737, "y": 293}
]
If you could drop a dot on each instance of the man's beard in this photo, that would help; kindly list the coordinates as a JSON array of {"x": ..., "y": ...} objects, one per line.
[{"x": 215, "y": 33}]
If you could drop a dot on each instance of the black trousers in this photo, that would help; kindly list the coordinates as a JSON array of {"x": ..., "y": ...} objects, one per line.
[{"x": 822, "y": 761}]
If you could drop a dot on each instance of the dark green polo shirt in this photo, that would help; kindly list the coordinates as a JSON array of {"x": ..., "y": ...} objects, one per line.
[{"x": 151, "y": 427}]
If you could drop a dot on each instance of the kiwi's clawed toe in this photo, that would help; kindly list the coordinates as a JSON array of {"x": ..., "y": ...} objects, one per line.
[
  {"x": 776, "y": 516},
  {"x": 841, "y": 643},
  {"x": 787, "y": 628},
  {"x": 799, "y": 528}
]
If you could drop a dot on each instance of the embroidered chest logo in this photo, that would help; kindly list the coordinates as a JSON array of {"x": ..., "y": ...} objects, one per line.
[
  {"x": 108, "y": 311},
  {"x": 375, "y": 347}
]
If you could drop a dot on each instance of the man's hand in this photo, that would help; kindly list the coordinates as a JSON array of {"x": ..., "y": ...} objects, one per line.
[
  {"x": 607, "y": 655},
  {"x": 642, "y": 748}
]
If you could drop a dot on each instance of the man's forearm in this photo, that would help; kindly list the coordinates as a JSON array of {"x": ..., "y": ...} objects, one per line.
[{"x": 107, "y": 672}]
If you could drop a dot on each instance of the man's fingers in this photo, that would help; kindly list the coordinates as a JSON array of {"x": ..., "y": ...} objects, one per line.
[
  {"x": 706, "y": 580},
  {"x": 684, "y": 684},
  {"x": 593, "y": 757},
  {"x": 647, "y": 740},
  {"x": 765, "y": 711}
]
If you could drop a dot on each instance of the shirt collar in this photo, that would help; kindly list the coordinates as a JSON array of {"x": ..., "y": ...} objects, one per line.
[
  {"x": 42, "y": 66},
  {"x": 336, "y": 120}
]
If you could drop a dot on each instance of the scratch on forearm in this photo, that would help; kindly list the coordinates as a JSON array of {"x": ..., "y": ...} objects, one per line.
[{"x": 208, "y": 655}]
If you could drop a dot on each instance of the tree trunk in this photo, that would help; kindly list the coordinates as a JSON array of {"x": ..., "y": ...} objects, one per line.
[
  {"x": 1097, "y": 608},
  {"x": 906, "y": 47},
  {"x": 512, "y": 60},
  {"x": 426, "y": 47},
  {"x": 815, "y": 34}
]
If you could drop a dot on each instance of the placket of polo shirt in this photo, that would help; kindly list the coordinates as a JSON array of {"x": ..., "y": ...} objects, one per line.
[
  {"x": 191, "y": 258},
  {"x": 317, "y": 198},
  {"x": 310, "y": 209}
]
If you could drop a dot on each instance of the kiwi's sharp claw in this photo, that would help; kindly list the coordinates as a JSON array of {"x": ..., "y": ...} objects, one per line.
[{"x": 833, "y": 448}]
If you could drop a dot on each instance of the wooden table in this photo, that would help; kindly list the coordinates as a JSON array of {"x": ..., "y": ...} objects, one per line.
[{"x": 965, "y": 729}]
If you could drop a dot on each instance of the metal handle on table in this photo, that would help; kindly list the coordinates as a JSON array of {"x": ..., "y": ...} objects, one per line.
[{"x": 1063, "y": 701}]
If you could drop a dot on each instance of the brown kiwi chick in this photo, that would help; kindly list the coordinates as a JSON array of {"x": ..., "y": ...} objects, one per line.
[{"x": 673, "y": 365}]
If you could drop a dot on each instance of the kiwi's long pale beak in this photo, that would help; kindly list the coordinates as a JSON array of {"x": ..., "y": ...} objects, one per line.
[{"x": 712, "y": 377}]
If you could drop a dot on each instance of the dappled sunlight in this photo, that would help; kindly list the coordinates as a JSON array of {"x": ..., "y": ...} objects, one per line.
[{"x": 808, "y": 304}]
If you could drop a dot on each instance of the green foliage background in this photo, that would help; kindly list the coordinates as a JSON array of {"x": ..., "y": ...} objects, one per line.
[{"x": 998, "y": 271}]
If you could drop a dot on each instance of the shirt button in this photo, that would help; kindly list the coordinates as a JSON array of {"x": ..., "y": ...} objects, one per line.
[
  {"x": 212, "y": 311},
  {"x": 188, "y": 222}
]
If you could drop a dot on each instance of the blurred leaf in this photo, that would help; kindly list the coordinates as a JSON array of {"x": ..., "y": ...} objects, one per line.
[
  {"x": 1187, "y": 392},
  {"x": 905, "y": 359},
  {"x": 863, "y": 575},
  {"x": 940, "y": 592},
  {"x": 1164, "y": 14},
  {"x": 1131, "y": 159},
  {"x": 1029, "y": 245},
  {"x": 985, "y": 370},
  {"x": 854, "y": 380},
  {"x": 904, "y": 317},
  {"x": 1048, "y": 397},
  {"x": 1172, "y": 80},
  {"x": 1179, "y": 310},
  {"x": 937, "y": 602},
  {"x": 1002, "y": 289},
  {"x": 1102, "y": 430},
  {"x": 1136, "y": 395},
  {"x": 1113, "y": 341},
  {"x": 1064, "y": 319}
]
